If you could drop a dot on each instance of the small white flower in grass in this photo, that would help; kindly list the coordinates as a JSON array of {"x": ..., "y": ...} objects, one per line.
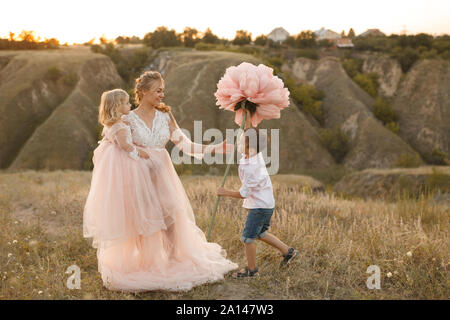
[
  {"x": 389, "y": 274},
  {"x": 14, "y": 241},
  {"x": 39, "y": 292},
  {"x": 9, "y": 255},
  {"x": 409, "y": 254}
]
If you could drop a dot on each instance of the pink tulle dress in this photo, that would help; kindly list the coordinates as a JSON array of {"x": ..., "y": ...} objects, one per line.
[{"x": 139, "y": 215}]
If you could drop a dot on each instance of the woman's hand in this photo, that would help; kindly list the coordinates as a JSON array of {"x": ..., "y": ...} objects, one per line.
[
  {"x": 222, "y": 147},
  {"x": 143, "y": 154}
]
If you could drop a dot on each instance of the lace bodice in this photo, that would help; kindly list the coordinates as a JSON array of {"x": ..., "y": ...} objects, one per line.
[{"x": 156, "y": 137}]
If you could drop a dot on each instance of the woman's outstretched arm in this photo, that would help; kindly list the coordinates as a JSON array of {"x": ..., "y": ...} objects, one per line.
[{"x": 185, "y": 144}]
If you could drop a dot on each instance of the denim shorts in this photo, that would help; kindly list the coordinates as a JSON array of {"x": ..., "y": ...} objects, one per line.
[{"x": 256, "y": 225}]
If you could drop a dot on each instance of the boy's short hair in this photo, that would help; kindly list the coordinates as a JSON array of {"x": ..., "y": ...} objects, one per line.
[{"x": 256, "y": 139}]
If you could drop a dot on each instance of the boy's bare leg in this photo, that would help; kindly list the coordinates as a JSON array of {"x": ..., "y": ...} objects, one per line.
[
  {"x": 275, "y": 242},
  {"x": 250, "y": 253}
]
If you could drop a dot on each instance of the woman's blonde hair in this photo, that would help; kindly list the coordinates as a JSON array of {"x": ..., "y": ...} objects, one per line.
[
  {"x": 110, "y": 102},
  {"x": 145, "y": 82}
]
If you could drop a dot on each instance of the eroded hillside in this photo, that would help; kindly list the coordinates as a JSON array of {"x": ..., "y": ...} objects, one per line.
[{"x": 49, "y": 107}]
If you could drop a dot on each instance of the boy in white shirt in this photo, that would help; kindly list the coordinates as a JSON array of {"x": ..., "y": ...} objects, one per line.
[{"x": 258, "y": 198}]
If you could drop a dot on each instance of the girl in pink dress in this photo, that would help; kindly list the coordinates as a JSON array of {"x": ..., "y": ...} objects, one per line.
[{"x": 137, "y": 211}]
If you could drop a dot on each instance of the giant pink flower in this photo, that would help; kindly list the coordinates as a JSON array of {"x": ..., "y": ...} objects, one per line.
[{"x": 256, "y": 84}]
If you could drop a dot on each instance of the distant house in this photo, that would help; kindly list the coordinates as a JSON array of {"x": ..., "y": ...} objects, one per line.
[
  {"x": 278, "y": 35},
  {"x": 326, "y": 34},
  {"x": 371, "y": 32},
  {"x": 344, "y": 43}
]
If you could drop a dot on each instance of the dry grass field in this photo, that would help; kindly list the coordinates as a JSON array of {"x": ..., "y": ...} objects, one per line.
[{"x": 338, "y": 239}]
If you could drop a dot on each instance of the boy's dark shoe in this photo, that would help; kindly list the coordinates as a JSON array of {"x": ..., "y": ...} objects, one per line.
[
  {"x": 287, "y": 258},
  {"x": 247, "y": 273}
]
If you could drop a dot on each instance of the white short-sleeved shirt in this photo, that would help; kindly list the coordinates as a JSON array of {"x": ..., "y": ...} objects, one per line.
[{"x": 256, "y": 184}]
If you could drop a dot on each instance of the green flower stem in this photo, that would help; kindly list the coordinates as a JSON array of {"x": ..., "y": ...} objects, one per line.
[{"x": 227, "y": 169}]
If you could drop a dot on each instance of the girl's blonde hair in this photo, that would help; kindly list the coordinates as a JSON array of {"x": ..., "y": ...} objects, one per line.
[
  {"x": 110, "y": 102},
  {"x": 145, "y": 82}
]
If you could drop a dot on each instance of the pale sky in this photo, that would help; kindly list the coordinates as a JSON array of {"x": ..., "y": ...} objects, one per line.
[{"x": 81, "y": 20}]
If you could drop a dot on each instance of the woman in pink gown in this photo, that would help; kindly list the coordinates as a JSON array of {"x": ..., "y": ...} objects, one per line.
[{"x": 137, "y": 211}]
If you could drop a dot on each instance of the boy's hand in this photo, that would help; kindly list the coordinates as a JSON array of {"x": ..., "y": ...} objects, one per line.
[
  {"x": 229, "y": 193},
  {"x": 221, "y": 191},
  {"x": 248, "y": 121},
  {"x": 143, "y": 154}
]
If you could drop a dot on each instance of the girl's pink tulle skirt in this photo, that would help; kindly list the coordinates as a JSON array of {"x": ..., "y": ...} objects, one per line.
[{"x": 143, "y": 227}]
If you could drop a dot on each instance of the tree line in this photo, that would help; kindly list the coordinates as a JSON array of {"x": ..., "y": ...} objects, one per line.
[{"x": 27, "y": 40}]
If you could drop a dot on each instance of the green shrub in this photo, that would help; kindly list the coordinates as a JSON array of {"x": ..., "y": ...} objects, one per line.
[
  {"x": 405, "y": 56},
  {"x": 373, "y": 43},
  {"x": 368, "y": 82},
  {"x": 261, "y": 40},
  {"x": 445, "y": 55},
  {"x": 53, "y": 73},
  {"x": 393, "y": 126},
  {"x": 309, "y": 98},
  {"x": 352, "y": 66},
  {"x": 439, "y": 157},
  {"x": 441, "y": 44},
  {"x": 70, "y": 79},
  {"x": 308, "y": 53},
  {"x": 407, "y": 160},
  {"x": 276, "y": 61},
  {"x": 247, "y": 50},
  {"x": 336, "y": 141},
  {"x": 162, "y": 37},
  {"x": 384, "y": 112},
  {"x": 429, "y": 54}
]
